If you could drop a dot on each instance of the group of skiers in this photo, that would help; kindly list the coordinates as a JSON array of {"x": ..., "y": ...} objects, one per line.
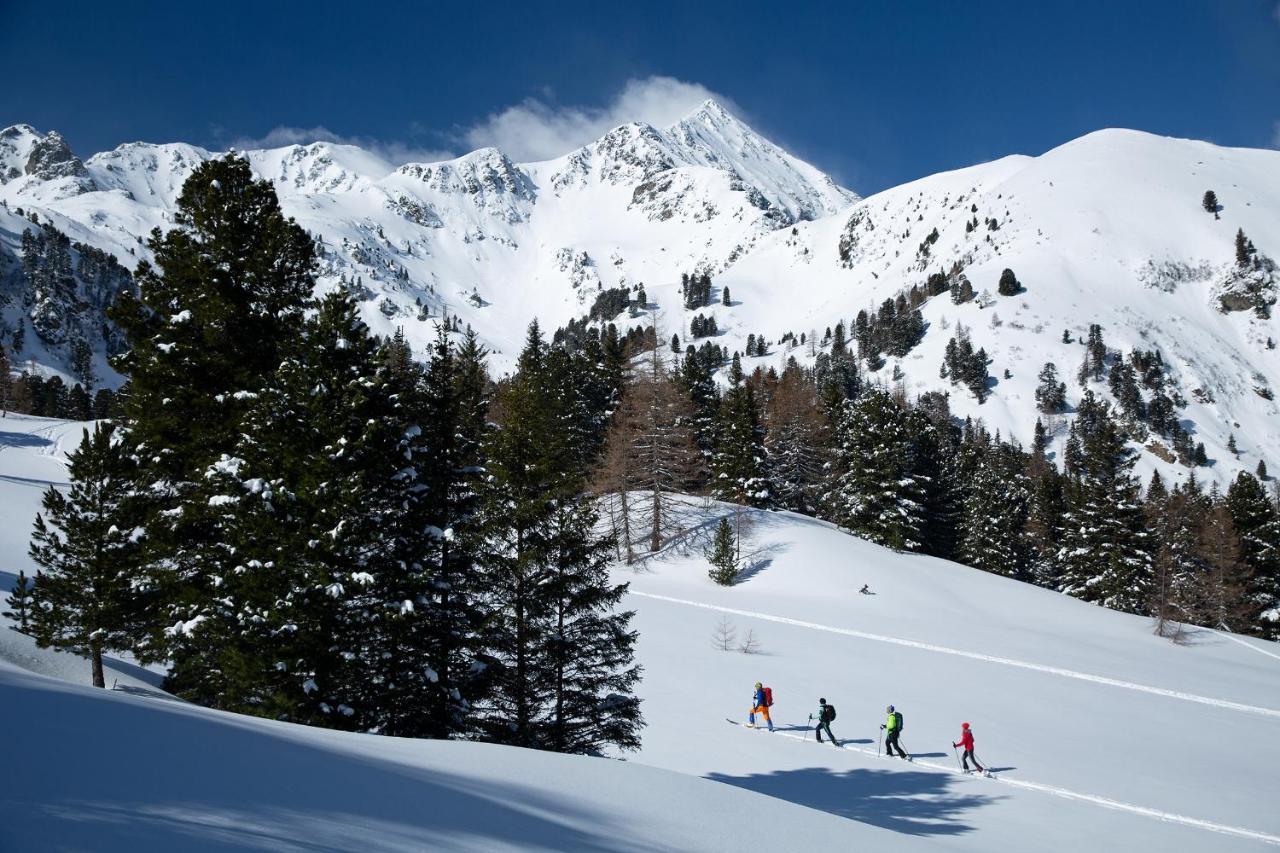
[{"x": 762, "y": 701}]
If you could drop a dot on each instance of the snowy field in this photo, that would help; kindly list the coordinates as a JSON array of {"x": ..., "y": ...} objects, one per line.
[{"x": 1102, "y": 736}]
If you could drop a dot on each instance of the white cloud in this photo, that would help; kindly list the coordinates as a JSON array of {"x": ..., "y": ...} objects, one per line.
[
  {"x": 395, "y": 153},
  {"x": 537, "y": 130}
]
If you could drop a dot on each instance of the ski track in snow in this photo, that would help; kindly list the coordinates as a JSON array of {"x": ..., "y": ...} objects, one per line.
[
  {"x": 1037, "y": 667},
  {"x": 1168, "y": 817},
  {"x": 1246, "y": 644}
]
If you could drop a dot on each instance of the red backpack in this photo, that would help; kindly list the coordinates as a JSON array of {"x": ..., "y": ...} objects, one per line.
[{"x": 768, "y": 697}]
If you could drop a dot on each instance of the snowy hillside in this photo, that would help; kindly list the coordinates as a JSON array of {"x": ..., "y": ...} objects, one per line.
[
  {"x": 1107, "y": 229},
  {"x": 1101, "y": 735}
]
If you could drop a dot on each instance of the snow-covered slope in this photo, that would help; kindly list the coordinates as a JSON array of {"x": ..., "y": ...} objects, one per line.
[
  {"x": 1106, "y": 229},
  {"x": 1102, "y": 735}
]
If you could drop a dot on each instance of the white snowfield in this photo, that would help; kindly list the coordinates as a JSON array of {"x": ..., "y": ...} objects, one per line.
[
  {"x": 1108, "y": 228},
  {"x": 1101, "y": 735}
]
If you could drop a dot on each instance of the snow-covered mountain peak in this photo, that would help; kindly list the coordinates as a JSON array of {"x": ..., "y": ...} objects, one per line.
[
  {"x": 26, "y": 154},
  {"x": 712, "y": 136},
  {"x": 320, "y": 167}
]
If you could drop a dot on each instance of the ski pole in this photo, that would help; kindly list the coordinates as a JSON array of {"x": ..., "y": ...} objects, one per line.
[
  {"x": 880, "y": 742},
  {"x": 806, "y": 729},
  {"x": 957, "y": 753}
]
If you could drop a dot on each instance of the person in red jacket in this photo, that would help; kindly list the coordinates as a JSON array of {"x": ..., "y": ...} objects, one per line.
[{"x": 966, "y": 740}]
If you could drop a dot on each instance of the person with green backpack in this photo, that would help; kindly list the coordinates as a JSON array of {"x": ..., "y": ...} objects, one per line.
[
  {"x": 893, "y": 729},
  {"x": 826, "y": 713}
]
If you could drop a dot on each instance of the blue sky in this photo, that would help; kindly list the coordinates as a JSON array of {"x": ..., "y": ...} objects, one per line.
[{"x": 875, "y": 93}]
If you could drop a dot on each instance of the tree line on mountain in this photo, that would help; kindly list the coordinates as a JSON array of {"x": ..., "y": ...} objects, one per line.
[{"x": 305, "y": 523}]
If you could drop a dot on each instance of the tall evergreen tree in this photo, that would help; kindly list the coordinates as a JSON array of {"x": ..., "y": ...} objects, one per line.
[
  {"x": 796, "y": 442},
  {"x": 224, "y": 297},
  {"x": 738, "y": 467},
  {"x": 309, "y": 608},
  {"x": 1257, "y": 522},
  {"x": 86, "y": 542},
  {"x": 544, "y": 574},
  {"x": 1105, "y": 548},
  {"x": 995, "y": 514},
  {"x": 875, "y": 490}
]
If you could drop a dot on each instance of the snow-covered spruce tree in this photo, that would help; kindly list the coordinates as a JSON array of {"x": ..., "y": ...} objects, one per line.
[
  {"x": 651, "y": 451},
  {"x": 995, "y": 513},
  {"x": 1172, "y": 519},
  {"x": 305, "y": 559},
  {"x": 723, "y": 555},
  {"x": 695, "y": 378},
  {"x": 1257, "y": 522},
  {"x": 544, "y": 576},
  {"x": 1009, "y": 284},
  {"x": 796, "y": 442},
  {"x": 224, "y": 297},
  {"x": 875, "y": 490},
  {"x": 1106, "y": 550},
  {"x": 1046, "y": 517},
  {"x": 1051, "y": 393},
  {"x": 86, "y": 543},
  {"x": 738, "y": 468},
  {"x": 448, "y": 472}
]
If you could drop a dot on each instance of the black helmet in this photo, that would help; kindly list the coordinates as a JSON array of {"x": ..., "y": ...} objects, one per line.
[
  {"x": 890, "y": 709},
  {"x": 822, "y": 701}
]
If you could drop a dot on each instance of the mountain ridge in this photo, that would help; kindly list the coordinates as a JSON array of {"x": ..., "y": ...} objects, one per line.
[{"x": 1107, "y": 228}]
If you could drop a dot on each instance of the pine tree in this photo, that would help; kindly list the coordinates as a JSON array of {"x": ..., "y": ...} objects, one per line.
[
  {"x": 1105, "y": 549},
  {"x": 738, "y": 463},
  {"x": 1172, "y": 518},
  {"x": 303, "y": 557},
  {"x": 453, "y": 389},
  {"x": 19, "y": 602},
  {"x": 6, "y": 383},
  {"x": 543, "y": 571},
  {"x": 875, "y": 489},
  {"x": 995, "y": 514},
  {"x": 222, "y": 301},
  {"x": 723, "y": 554},
  {"x": 1257, "y": 522},
  {"x": 85, "y": 543},
  {"x": 1009, "y": 284},
  {"x": 1210, "y": 203},
  {"x": 724, "y": 296},
  {"x": 590, "y": 647},
  {"x": 1244, "y": 250},
  {"x": 1051, "y": 394},
  {"x": 796, "y": 442}
]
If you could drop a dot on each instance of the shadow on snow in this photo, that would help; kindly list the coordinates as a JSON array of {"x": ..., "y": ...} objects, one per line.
[{"x": 911, "y": 802}]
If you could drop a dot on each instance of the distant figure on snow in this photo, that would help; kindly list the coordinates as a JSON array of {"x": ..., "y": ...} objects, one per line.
[
  {"x": 866, "y": 590},
  {"x": 826, "y": 713},
  {"x": 966, "y": 740},
  {"x": 892, "y": 729},
  {"x": 761, "y": 700}
]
